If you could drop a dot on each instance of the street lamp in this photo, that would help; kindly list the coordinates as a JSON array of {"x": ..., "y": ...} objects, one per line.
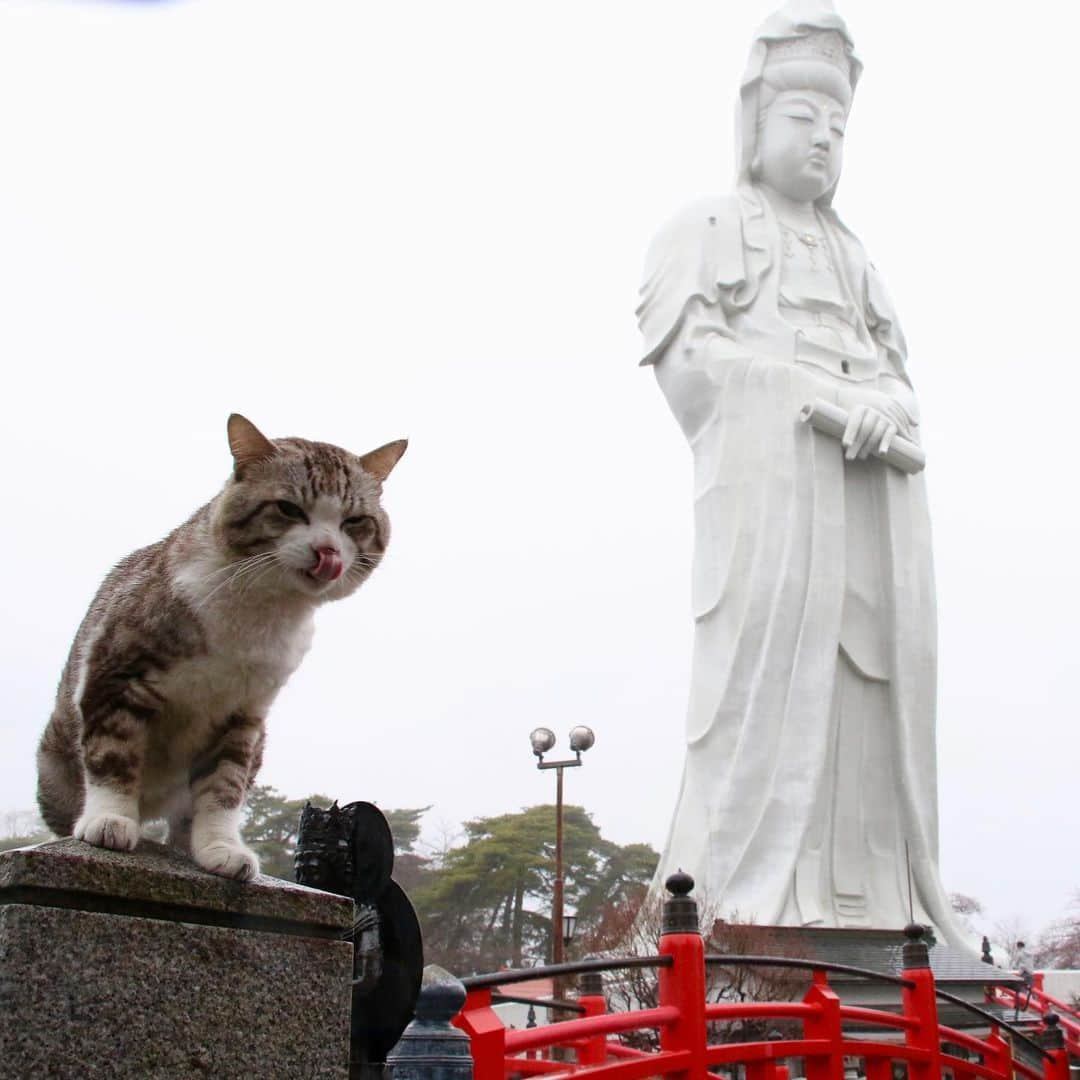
[
  {"x": 569, "y": 922},
  {"x": 543, "y": 739}
]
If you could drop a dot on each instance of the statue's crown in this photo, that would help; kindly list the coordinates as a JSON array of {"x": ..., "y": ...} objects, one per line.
[{"x": 824, "y": 46}]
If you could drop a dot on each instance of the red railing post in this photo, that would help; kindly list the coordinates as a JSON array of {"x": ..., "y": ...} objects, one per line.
[
  {"x": 878, "y": 1068},
  {"x": 1056, "y": 1064},
  {"x": 826, "y": 1025},
  {"x": 592, "y": 1000},
  {"x": 683, "y": 984},
  {"x": 1000, "y": 1058},
  {"x": 765, "y": 1070},
  {"x": 487, "y": 1035},
  {"x": 1056, "y": 1067},
  {"x": 920, "y": 1005}
]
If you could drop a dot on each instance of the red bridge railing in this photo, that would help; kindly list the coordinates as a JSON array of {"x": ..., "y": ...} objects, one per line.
[
  {"x": 914, "y": 1036},
  {"x": 1044, "y": 1003}
]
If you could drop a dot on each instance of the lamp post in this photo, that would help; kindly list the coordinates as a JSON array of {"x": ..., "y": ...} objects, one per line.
[{"x": 543, "y": 739}]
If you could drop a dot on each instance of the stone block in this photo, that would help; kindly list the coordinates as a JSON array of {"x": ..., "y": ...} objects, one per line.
[{"x": 140, "y": 965}]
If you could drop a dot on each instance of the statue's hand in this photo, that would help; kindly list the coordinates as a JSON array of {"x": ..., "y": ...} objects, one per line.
[
  {"x": 874, "y": 420},
  {"x": 868, "y": 431}
]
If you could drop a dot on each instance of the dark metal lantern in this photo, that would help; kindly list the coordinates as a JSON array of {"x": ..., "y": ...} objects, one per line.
[{"x": 349, "y": 850}]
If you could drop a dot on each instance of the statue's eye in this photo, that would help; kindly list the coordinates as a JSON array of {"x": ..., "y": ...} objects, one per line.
[
  {"x": 291, "y": 510},
  {"x": 364, "y": 521}
]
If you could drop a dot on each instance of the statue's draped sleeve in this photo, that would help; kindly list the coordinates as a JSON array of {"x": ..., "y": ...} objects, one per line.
[
  {"x": 704, "y": 267},
  {"x": 696, "y": 256}
]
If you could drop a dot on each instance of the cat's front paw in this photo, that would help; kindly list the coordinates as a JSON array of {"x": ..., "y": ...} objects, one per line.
[
  {"x": 229, "y": 858},
  {"x": 112, "y": 831}
]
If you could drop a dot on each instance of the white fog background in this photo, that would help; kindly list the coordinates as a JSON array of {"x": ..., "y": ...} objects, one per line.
[{"x": 357, "y": 221}]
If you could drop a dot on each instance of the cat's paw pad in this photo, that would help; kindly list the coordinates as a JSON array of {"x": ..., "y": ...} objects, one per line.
[
  {"x": 229, "y": 858},
  {"x": 108, "y": 831}
]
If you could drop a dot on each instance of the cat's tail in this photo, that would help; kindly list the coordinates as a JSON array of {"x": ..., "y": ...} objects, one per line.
[{"x": 61, "y": 787}]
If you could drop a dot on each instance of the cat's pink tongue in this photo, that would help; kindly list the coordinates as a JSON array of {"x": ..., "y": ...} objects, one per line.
[{"x": 329, "y": 566}]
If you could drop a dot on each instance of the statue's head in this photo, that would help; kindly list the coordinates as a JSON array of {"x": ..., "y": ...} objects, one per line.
[{"x": 794, "y": 101}]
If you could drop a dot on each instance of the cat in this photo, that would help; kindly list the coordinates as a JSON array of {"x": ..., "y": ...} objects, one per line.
[{"x": 161, "y": 707}]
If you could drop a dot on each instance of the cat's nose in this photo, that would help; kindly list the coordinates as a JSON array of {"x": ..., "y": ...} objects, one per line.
[{"x": 329, "y": 565}]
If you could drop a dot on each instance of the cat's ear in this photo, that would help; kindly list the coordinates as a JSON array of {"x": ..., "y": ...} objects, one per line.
[
  {"x": 379, "y": 462},
  {"x": 247, "y": 443}
]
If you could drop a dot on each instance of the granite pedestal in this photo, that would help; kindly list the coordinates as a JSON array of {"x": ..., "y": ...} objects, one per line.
[{"x": 141, "y": 965}]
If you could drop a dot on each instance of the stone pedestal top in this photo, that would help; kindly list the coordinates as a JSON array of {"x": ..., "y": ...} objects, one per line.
[{"x": 156, "y": 881}]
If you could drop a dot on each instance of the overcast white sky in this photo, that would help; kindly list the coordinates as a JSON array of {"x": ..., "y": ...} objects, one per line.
[{"x": 357, "y": 221}]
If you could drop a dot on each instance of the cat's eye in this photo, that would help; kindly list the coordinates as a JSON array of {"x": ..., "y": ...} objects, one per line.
[
  {"x": 364, "y": 521},
  {"x": 291, "y": 510}
]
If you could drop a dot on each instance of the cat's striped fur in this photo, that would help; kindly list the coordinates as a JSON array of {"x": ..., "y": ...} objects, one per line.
[{"x": 161, "y": 706}]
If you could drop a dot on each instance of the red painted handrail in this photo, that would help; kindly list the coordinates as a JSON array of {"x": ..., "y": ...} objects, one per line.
[
  {"x": 757, "y": 1010},
  {"x": 608, "y": 1024},
  {"x": 857, "y": 1015},
  {"x": 661, "y": 1064},
  {"x": 1042, "y": 1002},
  {"x": 683, "y": 1015},
  {"x": 1064, "y": 1010}
]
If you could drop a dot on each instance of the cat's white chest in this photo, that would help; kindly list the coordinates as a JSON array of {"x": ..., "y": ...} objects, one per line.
[{"x": 242, "y": 670}]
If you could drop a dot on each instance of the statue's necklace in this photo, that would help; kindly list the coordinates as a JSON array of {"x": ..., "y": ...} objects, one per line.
[
  {"x": 811, "y": 241},
  {"x": 803, "y": 236}
]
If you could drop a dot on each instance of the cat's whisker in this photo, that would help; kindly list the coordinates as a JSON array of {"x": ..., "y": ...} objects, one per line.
[
  {"x": 237, "y": 563},
  {"x": 226, "y": 569},
  {"x": 244, "y": 566},
  {"x": 263, "y": 571},
  {"x": 251, "y": 567},
  {"x": 214, "y": 591},
  {"x": 242, "y": 581},
  {"x": 234, "y": 567}
]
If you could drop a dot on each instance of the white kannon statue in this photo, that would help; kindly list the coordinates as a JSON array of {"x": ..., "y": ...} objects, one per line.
[{"x": 809, "y": 795}]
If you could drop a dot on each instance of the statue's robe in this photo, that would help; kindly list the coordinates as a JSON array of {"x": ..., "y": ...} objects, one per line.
[{"x": 776, "y": 589}]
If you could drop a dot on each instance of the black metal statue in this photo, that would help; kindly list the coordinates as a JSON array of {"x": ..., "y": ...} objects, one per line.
[{"x": 349, "y": 850}]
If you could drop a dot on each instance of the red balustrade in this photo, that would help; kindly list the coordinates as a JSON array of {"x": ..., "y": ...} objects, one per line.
[
  {"x": 1041, "y": 1002},
  {"x": 591, "y": 1042}
]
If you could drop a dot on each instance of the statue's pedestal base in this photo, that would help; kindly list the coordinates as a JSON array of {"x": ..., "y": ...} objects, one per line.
[
  {"x": 955, "y": 971},
  {"x": 140, "y": 965}
]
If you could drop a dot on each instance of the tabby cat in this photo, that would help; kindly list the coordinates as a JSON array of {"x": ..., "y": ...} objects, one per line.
[{"x": 161, "y": 707}]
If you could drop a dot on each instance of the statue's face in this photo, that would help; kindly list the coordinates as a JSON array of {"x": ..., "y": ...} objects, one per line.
[{"x": 801, "y": 144}]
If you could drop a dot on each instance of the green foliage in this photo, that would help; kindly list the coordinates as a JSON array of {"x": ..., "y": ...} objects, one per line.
[
  {"x": 488, "y": 904},
  {"x": 485, "y": 902},
  {"x": 271, "y": 827},
  {"x": 405, "y": 827}
]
